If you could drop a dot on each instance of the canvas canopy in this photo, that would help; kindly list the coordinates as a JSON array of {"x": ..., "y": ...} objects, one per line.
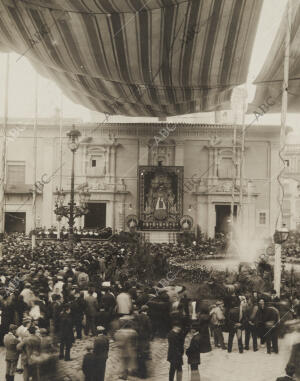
[{"x": 136, "y": 57}]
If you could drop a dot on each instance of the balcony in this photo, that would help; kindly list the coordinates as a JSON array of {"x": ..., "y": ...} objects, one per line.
[{"x": 18, "y": 189}]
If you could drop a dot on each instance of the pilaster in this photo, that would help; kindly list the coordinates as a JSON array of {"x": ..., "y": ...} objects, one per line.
[
  {"x": 143, "y": 152},
  {"x": 179, "y": 153}
]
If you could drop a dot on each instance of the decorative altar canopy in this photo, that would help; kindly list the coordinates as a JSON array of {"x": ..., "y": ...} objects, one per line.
[
  {"x": 269, "y": 81},
  {"x": 136, "y": 57}
]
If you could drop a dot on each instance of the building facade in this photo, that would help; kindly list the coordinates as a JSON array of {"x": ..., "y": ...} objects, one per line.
[
  {"x": 109, "y": 161},
  {"x": 291, "y": 184}
]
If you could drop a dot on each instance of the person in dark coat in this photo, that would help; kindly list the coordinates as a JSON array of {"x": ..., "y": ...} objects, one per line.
[
  {"x": 66, "y": 333},
  {"x": 193, "y": 354},
  {"x": 56, "y": 308},
  {"x": 163, "y": 314},
  {"x": 235, "y": 327},
  {"x": 144, "y": 331},
  {"x": 271, "y": 322},
  {"x": 290, "y": 371},
  {"x": 101, "y": 349},
  {"x": 260, "y": 319},
  {"x": 91, "y": 312},
  {"x": 77, "y": 310},
  {"x": 21, "y": 307},
  {"x": 251, "y": 326},
  {"x": 175, "y": 352},
  {"x": 203, "y": 329},
  {"x": 88, "y": 364},
  {"x": 184, "y": 304}
]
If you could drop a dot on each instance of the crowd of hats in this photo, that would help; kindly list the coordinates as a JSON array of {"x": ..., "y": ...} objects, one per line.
[
  {"x": 20, "y": 262},
  {"x": 52, "y": 233},
  {"x": 202, "y": 244}
]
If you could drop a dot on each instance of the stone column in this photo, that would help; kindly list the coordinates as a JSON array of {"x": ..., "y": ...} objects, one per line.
[
  {"x": 215, "y": 162},
  {"x": 179, "y": 153},
  {"x": 50, "y": 165},
  {"x": 114, "y": 213},
  {"x": 211, "y": 219},
  {"x": 108, "y": 164},
  {"x": 210, "y": 167}
]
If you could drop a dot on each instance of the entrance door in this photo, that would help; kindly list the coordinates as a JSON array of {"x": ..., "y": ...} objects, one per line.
[
  {"x": 96, "y": 217},
  {"x": 15, "y": 222},
  {"x": 223, "y": 218}
]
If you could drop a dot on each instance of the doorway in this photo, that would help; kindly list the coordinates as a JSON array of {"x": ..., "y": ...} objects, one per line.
[
  {"x": 223, "y": 218},
  {"x": 15, "y": 222},
  {"x": 96, "y": 216}
]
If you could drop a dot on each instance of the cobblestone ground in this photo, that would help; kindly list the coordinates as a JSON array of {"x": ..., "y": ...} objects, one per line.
[{"x": 217, "y": 365}]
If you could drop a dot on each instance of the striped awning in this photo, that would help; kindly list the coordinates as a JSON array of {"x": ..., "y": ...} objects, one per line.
[
  {"x": 136, "y": 57},
  {"x": 270, "y": 79}
]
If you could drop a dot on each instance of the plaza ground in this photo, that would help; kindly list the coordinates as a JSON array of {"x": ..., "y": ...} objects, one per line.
[{"x": 216, "y": 365}]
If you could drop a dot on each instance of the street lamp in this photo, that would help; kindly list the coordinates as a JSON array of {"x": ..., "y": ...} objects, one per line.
[
  {"x": 280, "y": 236},
  {"x": 73, "y": 145},
  {"x": 72, "y": 211}
]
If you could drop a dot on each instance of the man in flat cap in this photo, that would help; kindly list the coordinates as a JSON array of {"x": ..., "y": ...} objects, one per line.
[
  {"x": 101, "y": 348},
  {"x": 12, "y": 355}
]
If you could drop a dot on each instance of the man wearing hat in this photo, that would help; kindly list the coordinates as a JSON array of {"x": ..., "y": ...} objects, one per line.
[
  {"x": 101, "y": 348},
  {"x": 193, "y": 353},
  {"x": 28, "y": 295},
  {"x": 22, "y": 331},
  {"x": 217, "y": 321},
  {"x": 144, "y": 331},
  {"x": 12, "y": 355},
  {"x": 88, "y": 364},
  {"x": 175, "y": 351}
]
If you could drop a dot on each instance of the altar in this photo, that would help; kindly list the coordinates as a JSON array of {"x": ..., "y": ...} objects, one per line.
[{"x": 160, "y": 191}]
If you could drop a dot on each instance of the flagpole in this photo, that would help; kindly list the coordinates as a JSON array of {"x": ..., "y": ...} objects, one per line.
[
  {"x": 284, "y": 105},
  {"x": 3, "y": 157},
  {"x": 242, "y": 159},
  {"x": 35, "y": 125},
  {"x": 60, "y": 158}
]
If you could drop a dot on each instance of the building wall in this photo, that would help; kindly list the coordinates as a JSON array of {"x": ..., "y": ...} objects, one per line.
[
  {"x": 120, "y": 148},
  {"x": 291, "y": 197}
]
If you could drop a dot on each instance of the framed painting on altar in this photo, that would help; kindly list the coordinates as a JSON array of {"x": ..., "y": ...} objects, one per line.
[{"x": 160, "y": 191}]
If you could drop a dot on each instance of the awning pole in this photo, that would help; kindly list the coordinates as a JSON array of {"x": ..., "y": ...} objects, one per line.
[
  {"x": 242, "y": 159},
  {"x": 35, "y": 125},
  {"x": 60, "y": 158},
  {"x": 3, "y": 157},
  {"x": 277, "y": 267}
]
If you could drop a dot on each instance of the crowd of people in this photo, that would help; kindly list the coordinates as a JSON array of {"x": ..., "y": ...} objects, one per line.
[
  {"x": 49, "y": 298},
  {"x": 79, "y": 233}
]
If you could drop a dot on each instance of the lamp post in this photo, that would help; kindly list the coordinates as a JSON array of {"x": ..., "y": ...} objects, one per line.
[
  {"x": 72, "y": 211},
  {"x": 73, "y": 145},
  {"x": 280, "y": 236}
]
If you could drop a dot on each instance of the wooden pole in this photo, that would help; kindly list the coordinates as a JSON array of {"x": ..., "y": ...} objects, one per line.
[
  {"x": 277, "y": 267},
  {"x": 234, "y": 173},
  {"x": 34, "y": 195},
  {"x": 242, "y": 159},
  {"x": 3, "y": 157},
  {"x": 60, "y": 157}
]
